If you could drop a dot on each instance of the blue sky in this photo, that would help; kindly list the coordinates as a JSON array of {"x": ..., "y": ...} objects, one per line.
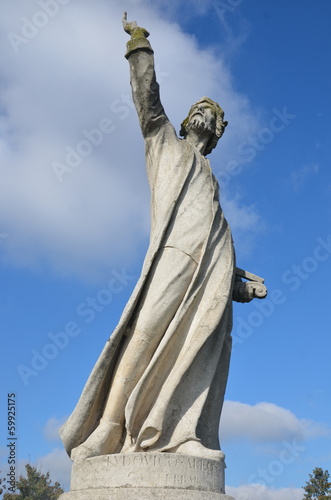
[{"x": 74, "y": 220}]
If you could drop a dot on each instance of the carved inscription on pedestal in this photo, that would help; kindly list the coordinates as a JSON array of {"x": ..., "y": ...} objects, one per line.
[{"x": 167, "y": 470}]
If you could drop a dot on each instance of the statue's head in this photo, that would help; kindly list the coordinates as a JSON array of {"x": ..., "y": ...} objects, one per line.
[{"x": 213, "y": 121}]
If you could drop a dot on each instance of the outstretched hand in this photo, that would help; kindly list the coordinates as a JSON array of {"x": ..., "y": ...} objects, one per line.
[
  {"x": 132, "y": 28},
  {"x": 128, "y": 27}
]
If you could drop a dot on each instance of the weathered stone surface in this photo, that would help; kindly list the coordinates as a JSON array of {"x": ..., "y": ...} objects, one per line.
[
  {"x": 146, "y": 424},
  {"x": 142, "y": 494},
  {"x": 147, "y": 476},
  {"x": 165, "y": 470},
  {"x": 158, "y": 385}
]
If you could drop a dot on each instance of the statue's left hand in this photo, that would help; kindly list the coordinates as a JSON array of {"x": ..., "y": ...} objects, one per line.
[{"x": 245, "y": 291}]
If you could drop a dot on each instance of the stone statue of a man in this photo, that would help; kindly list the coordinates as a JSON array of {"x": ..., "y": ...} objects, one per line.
[{"x": 159, "y": 383}]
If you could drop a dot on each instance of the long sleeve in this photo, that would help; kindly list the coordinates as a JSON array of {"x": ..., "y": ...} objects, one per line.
[{"x": 145, "y": 89}]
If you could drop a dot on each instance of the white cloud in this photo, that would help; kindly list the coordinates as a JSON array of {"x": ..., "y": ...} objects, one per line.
[
  {"x": 68, "y": 77},
  {"x": 51, "y": 428},
  {"x": 175, "y": 7},
  {"x": 315, "y": 429},
  {"x": 58, "y": 464},
  {"x": 261, "y": 492},
  {"x": 243, "y": 217},
  {"x": 266, "y": 422}
]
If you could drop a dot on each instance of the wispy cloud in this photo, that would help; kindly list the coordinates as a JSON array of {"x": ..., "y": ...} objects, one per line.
[
  {"x": 174, "y": 8},
  {"x": 245, "y": 221},
  {"x": 261, "y": 492},
  {"x": 298, "y": 178},
  {"x": 51, "y": 428},
  {"x": 265, "y": 423}
]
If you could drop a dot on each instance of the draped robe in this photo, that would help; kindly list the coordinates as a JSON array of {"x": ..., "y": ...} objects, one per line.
[{"x": 180, "y": 394}]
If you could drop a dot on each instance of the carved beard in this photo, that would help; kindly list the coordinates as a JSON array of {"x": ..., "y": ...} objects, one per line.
[{"x": 199, "y": 125}]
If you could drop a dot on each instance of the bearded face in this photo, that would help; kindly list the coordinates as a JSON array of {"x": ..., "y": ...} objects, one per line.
[
  {"x": 205, "y": 117},
  {"x": 202, "y": 119}
]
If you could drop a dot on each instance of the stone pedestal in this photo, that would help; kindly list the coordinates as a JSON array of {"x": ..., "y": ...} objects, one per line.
[{"x": 147, "y": 476}]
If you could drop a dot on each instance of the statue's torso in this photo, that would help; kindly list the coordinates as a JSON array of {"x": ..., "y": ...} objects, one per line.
[{"x": 189, "y": 227}]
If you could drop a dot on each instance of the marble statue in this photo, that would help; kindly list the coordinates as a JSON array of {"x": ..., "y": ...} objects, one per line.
[{"x": 158, "y": 385}]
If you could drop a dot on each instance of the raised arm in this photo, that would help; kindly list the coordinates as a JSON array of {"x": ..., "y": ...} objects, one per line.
[{"x": 145, "y": 89}]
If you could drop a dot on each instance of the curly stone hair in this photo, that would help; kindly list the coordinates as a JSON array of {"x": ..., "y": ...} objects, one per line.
[{"x": 220, "y": 124}]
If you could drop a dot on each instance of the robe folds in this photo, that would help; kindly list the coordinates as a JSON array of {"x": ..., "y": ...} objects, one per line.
[{"x": 180, "y": 394}]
